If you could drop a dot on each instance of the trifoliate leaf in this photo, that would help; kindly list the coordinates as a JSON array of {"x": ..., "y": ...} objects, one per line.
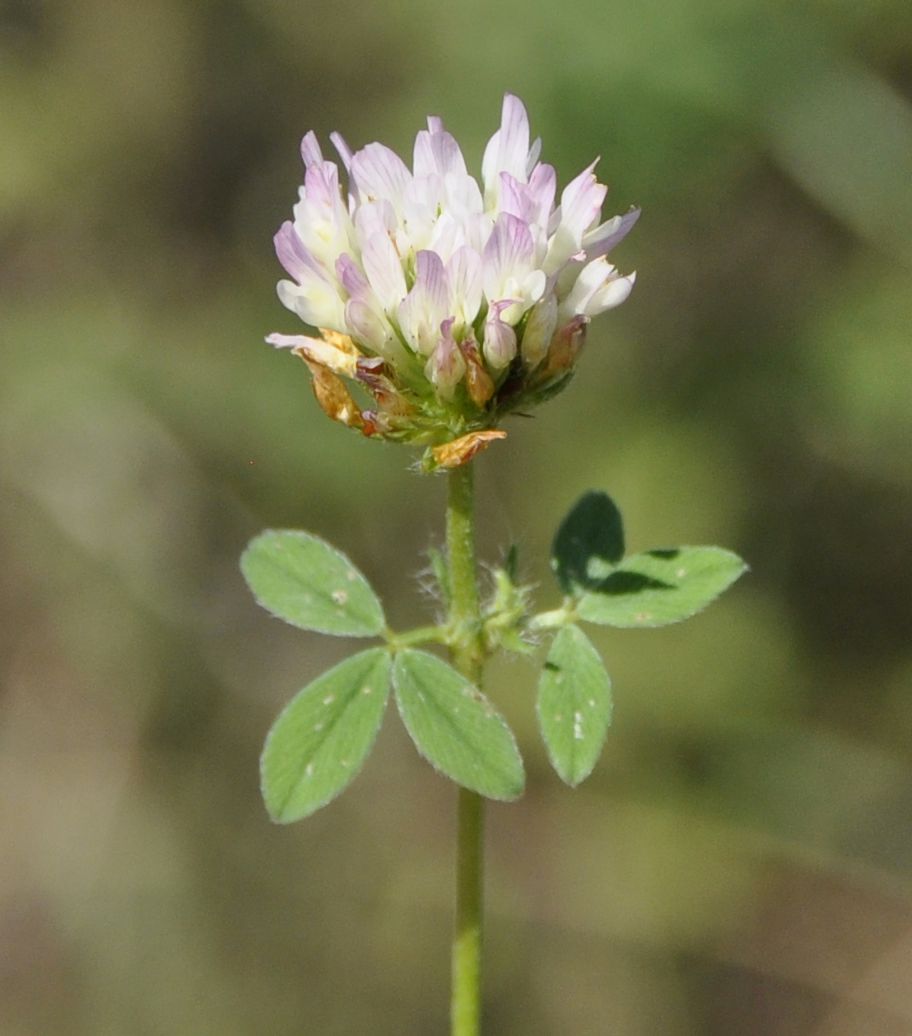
[
  {"x": 455, "y": 727},
  {"x": 659, "y": 587},
  {"x": 589, "y": 542},
  {"x": 574, "y": 705},
  {"x": 320, "y": 740},
  {"x": 303, "y": 580}
]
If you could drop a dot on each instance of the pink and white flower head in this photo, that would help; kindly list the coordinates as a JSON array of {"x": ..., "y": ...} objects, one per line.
[{"x": 448, "y": 302}]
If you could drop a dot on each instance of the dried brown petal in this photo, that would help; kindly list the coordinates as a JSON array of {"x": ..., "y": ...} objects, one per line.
[
  {"x": 460, "y": 451},
  {"x": 340, "y": 341},
  {"x": 564, "y": 349},
  {"x": 325, "y": 354},
  {"x": 478, "y": 381},
  {"x": 334, "y": 397},
  {"x": 370, "y": 372}
]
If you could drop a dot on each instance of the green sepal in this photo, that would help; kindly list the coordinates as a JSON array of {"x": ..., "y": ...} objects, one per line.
[
  {"x": 588, "y": 543},
  {"x": 574, "y": 705},
  {"x": 303, "y": 580},
  {"x": 322, "y": 737},
  {"x": 455, "y": 727},
  {"x": 659, "y": 587}
]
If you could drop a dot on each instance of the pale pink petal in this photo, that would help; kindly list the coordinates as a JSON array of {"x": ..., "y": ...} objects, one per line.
[
  {"x": 507, "y": 254},
  {"x": 425, "y": 307},
  {"x": 602, "y": 239},
  {"x": 432, "y": 279},
  {"x": 281, "y": 341},
  {"x": 499, "y": 338},
  {"x": 379, "y": 172},
  {"x": 310, "y": 149},
  {"x": 297, "y": 261},
  {"x": 445, "y": 367},
  {"x": 437, "y": 152},
  {"x": 581, "y": 202},
  {"x": 342, "y": 149},
  {"x": 515, "y": 199},
  {"x": 352, "y": 276},
  {"x": 542, "y": 189},
  {"x": 321, "y": 184},
  {"x": 368, "y": 326},
  {"x": 534, "y": 154},
  {"x": 508, "y": 149}
]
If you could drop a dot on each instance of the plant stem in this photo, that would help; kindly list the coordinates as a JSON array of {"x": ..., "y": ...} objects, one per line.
[{"x": 468, "y": 656}]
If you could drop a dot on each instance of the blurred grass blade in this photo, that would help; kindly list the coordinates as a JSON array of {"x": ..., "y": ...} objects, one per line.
[
  {"x": 455, "y": 727},
  {"x": 303, "y": 580},
  {"x": 320, "y": 740},
  {"x": 574, "y": 705},
  {"x": 659, "y": 587}
]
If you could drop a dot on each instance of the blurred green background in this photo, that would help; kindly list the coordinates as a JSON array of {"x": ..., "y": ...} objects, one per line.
[{"x": 741, "y": 861}]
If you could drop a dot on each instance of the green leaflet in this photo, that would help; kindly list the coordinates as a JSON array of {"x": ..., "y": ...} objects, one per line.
[
  {"x": 455, "y": 727},
  {"x": 322, "y": 737},
  {"x": 589, "y": 541},
  {"x": 574, "y": 705},
  {"x": 303, "y": 580},
  {"x": 659, "y": 587}
]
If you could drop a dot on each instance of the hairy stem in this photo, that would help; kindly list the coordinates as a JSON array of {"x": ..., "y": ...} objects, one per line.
[{"x": 468, "y": 655}]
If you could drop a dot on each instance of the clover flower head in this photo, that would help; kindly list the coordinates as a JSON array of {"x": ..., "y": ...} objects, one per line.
[{"x": 450, "y": 303}]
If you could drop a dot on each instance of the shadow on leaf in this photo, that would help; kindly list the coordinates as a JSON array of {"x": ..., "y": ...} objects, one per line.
[{"x": 619, "y": 583}]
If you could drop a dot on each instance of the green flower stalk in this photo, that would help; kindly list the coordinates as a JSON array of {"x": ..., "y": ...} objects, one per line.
[{"x": 442, "y": 306}]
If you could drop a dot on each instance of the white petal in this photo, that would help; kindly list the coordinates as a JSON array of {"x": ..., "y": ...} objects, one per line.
[
  {"x": 384, "y": 270},
  {"x": 612, "y": 293},
  {"x": 464, "y": 275},
  {"x": 317, "y": 303},
  {"x": 375, "y": 217}
]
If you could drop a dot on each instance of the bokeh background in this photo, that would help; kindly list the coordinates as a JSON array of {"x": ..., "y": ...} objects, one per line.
[{"x": 741, "y": 861}]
